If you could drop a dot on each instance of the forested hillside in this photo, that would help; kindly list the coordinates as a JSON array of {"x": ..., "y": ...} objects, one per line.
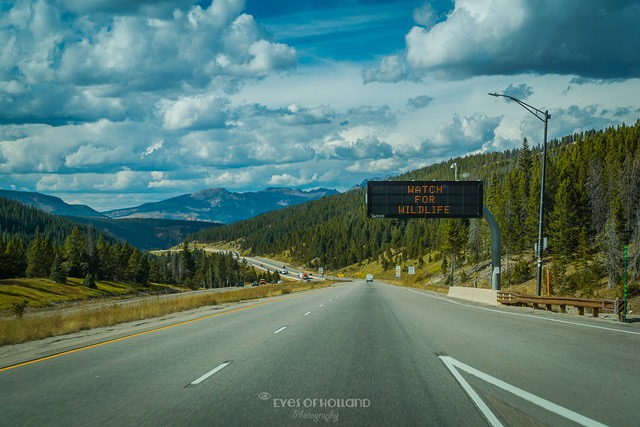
[
  {"x": 37, "y": 244},
  {"x": 143, "y": 233},
  {"x": 592, "y": 205},
  {"x": 146, "y": 234}
]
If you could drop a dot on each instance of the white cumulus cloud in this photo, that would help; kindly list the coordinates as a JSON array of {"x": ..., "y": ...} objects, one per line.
[
  {"x": 194, "y": 112},
  {"x": 593, "y": 39}
]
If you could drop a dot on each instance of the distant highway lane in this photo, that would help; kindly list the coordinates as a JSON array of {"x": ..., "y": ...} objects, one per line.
[{"x": 352, "y": 354}]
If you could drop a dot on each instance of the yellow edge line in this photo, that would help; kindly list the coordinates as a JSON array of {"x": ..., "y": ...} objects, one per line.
[{"x": 137, "y": 334}]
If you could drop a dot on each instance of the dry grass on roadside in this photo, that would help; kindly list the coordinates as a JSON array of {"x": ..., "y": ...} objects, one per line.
[{"x": 36, "y": 326}]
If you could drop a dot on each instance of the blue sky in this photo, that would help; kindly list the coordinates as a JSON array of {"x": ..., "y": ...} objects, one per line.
[{"x": 113, "y": 103}]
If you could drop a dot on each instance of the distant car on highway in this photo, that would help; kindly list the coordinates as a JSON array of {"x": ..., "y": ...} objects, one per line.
[
  {"x": 369, "y": 278},
  {"x": 254, "y": 283},
  {"x": 263, "y": 281},
  {"x": 240, "y": 285},
  {"x": 284, "y": 271}
]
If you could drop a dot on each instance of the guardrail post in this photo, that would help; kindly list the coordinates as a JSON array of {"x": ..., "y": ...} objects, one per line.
[{"x": 496, "y": 248}]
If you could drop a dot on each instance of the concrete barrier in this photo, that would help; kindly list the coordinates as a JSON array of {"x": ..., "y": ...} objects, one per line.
[{"x": 484, "y": 296}]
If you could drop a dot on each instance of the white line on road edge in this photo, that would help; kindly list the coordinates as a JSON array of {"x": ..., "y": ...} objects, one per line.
[
  {"x": 307, "y": 313},
  {"x": 584, "y": 325},
  {"x": 211, "y": 372},
  {"x": 452, "y": 364},
  {"x": 280, "y": 330}
]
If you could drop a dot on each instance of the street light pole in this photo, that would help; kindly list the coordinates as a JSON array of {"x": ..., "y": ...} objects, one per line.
[
  {"x": 455, "y": 170},
  {"x": 544, "y": 116}
]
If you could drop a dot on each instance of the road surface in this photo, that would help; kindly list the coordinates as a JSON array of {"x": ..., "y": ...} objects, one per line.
[{"x": 352, "y": 354}]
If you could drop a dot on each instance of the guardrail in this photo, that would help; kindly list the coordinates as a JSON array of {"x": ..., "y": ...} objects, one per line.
[{"x": 616, "y": 306}]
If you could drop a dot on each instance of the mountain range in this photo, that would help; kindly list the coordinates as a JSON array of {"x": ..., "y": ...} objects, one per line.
[
  {"x": 161, "y": 225},
  {"x": 215, "y": 205},
  {"x": 50, "y": 204},
  {"x": 220, "y": 206}
]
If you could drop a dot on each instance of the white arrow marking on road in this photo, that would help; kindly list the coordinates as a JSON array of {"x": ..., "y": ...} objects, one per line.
[
  {"x": 452, "y": 364},
  {"x": 493, "y": 420},
  {"x": 211, "y": 372}
]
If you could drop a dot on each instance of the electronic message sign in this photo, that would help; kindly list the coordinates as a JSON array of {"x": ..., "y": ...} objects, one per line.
[{"x": 424, "y": 199}]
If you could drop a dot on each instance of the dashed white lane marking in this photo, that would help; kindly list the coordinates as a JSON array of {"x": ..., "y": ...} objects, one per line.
[
  {"x": 453, "y": 365},
  {"x": 280, "y": 330},
  {"x": 211, "y": 372},
  {"x": 321, "y": 305},
  {"x": 307, "y": 313}
]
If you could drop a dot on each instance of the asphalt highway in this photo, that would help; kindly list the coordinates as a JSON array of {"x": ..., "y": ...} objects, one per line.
[{"x": 352, "y": 354}]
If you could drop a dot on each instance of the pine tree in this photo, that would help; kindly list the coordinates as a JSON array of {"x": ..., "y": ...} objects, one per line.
[
  {"x": 89, "y": 282},
  {"x": 40, "y": 255},
  {"x": 599, "y": 195},
  {"x": 75, "y": 253},
  {"x": 105, "y": 259},
  {"x": 525, "y": 164},
  {"x": 132, "y": 265},
  {"x": 563, "y": 221},
  {"x": 58, "y": 273},
  {"x": 187, "y": 264},
  {"x": 15, "y": 257},
  {"x": 612, "y": 250},
  {"x": 121, "y": 253}
]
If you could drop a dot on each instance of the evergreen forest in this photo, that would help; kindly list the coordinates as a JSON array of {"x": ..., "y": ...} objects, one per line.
[{"x": 37, "y": 244}]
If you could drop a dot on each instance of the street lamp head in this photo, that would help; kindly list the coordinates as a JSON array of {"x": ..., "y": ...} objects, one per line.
[{"x": 496, "y": 94}]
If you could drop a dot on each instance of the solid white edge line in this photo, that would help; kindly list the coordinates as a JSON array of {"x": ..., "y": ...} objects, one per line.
[
  {"x": 527, "y": 315},
  {"x": 211, "y": 372},
  {"x": 491, "y": 418},
  {"x": 543, "y": 403},
  {"x": 280, "y": 330}
]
